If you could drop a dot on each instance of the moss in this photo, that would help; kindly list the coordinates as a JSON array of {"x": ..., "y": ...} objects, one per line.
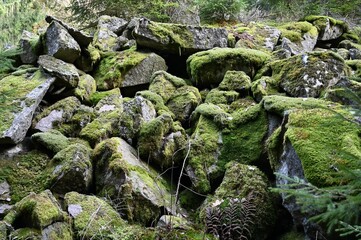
[
  {"x": 320, "y": 145},
  {"x": 86, "y": 87},
  {"x": 52, "y": 141},
  {"x": 94, "y": 53},
  {"x": 26, "y": 233},
  {"x": 294, "y": 31},
  {"x": 30, "y": 166},
  {"x": 217, "y": 96},
  {"x": 355, "y": 65},
  {"x": 97, "y": 96},
  {"x": 205, "y": 144},
  {"x": 349, "y": 44},
  {"x": 273, "y": 147},
  {"x": 265, "y": 86},
  {"x": 237, "y": 81},
  {"x": 114, "y": 66},
  {"x": 157, "y": 101},
  {"x": 13, "y": 93},
  {"x": 320, "y": 22},
  {"x": 213, "y": 112},
  {"x": 351, "y": 36},
  {"x": 208, "y": 68},
  {"x": 165, "y": 84},
  {"x": 231, "y": 39},
  {"x": 59, "y": 231}
]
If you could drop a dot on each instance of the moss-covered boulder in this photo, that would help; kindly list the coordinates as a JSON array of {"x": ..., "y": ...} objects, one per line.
[
  {"x": 86, "y": 87},
  {"x": 257, "y": 36},
  {"x": 53, "y": 141},
  {"x": 178, "y": 39},
  {"x": 183, "y": 101},
  {"x": 57, "y": 231},
  {"x": 93, "y": 218},
  {"x": 243, "y": 192},
  {"x": 309, "y": 74},
  {"x": 19, "y": 98},
  {"x": 36, "y": 211},
  {"x": 328, "y": 28},
  {"x": 217, "y": 96},
  {"x": 121, "y": 175},
  {"x": 346, "y": 92},
  {"x": 298, "y": 37},
  {"x": 348, "y": 44},
  {"x": 236, "y": 81},
  {"x": 71, "y": 170},
  {"x": 265, "y": 86},
  {"x": 97, "y": 96},
  {"x": 31, "y": 46},
  {"x": 127, "y": 68},
  {"x": 26, "y": 233},
  {"x": 157, "y": 102},
  {"x": 136, "y": 112},
  {"x": 209, "y": 67},
  {"x": 165, "y": 84}
]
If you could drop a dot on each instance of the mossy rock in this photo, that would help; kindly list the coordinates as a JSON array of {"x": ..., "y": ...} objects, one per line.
[
  {"x": 165, "y": 84},
  {"x": 97, "y": 96},
  {"x": 209, "y": 67},
  {"x": 355, "y": 65},
  {"x": 213, "y": 112},
  {"x": 265, "y": 86},
  {"x": 109, "y": 103},
  {"x": 127, "y": 68},
  {"x": 328, "y": 28},
  {"x": 243, "y": 186},
  {"x": 53, "y": 141},
  {"x": 86, "y": 87},
  {"x": 203, "y": 156},
  {"x": 30, "y": 166},
  {"x": 157, "y": 102},
  {"x": 93, "y": 218},
  {"x": 294, "y": 31},
  {"x": 36, "y": 211},
  {"x": 217, "y": 96},
  {"x": 236, "y": 81},
  {"x": 19, "y": 97},
  {"x": 71, "y": 170},
  {"x": 58, "y": 231},
  {"x": 346, "y": 92},
  {"x": 25, "y": 233},
  {"x": 349, "y": 45}
]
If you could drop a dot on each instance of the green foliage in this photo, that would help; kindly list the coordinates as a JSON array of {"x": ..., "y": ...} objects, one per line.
[
  {"x": 88, "y": 10},
  {"x": 219, "y": 10},
  {"x": 7, "y": 61}
]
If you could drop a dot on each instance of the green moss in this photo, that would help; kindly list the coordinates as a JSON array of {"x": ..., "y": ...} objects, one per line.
[
  {"x": 26, "y": 233},
  {"x": 94, "y": 53},
  {"x": 53, "y": 140},
  {"x": 320, "y": 145},
  {"x": 237, "y": 81},
  {"x": 114, "y": 66},
  {"x": 97, "y": 96},
  {"x": 349, "y": 44},
  {"x": 86, "y": 87},
  {"x": 217, "y": 96},
  {"x": 13, "y": 93},
  {"x": 295, "y": 30},
  {"x": 208, "y": 68},
  {"x": 157, "y": 101},
  {"x": 30, "y": 166},
  {"x": 320, "y": 22},
  {"x": 274, "y": 147},
  {"x": 355, "y": 65},
  {"x": 265, "y": 86},
  {"x": 213, "y": 112}
]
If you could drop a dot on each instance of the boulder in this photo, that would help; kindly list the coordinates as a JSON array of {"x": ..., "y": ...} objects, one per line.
[
  {"x": 184, "y": 12},
  {"x": 355, "y": 53},
  {"x": 157, "y": 102},
  {"x": 209, "y": 67},
  {"x": 93, "y": 218},
  {"x": 109, "y": 103},
  {"x": 86, "y": 87},
  {"x": 178, "y": 39},
  {"x": 19, "y": 98},
  {"x": 53, "y": 141},
  {"x": 106, "y": 40},
  {"x": 60, "y": 44},
  {"x": 127, "y": 68},
  {"x": 328, "y": 28},
  {"x": 265, "y": 86},
  {"x": 57, "y": 231},
  {"x": 236, "y": 81},
  {"x": 120, "y": 174},
  {"x": 71, "y": 170},
  {"x": 114, "y": 24},
  {"x": 244, "y": 197},
  {"x": 26, "y": 233},
  {"x": 217, "y": 96},
  {"x": 65, "y": 73},
  {"x": 30, "y": 45},
  {"x": 346, "y": 92}
]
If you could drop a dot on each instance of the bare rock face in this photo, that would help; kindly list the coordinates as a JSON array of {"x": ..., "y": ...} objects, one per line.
[
  {"x": 20, "y": 96},
  {"x": 179, "y": 39},
  {"x": 60, "y": 44}
]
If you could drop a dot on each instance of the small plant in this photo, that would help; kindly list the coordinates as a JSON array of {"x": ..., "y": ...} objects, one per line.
[
  {"x": 7, "y": 60},
  {"x": 231, "y": 218}
]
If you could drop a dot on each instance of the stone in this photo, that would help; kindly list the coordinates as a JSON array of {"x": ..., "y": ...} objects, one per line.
[
  {"x": 127, "y": 68},
  {"x": 85, "y": 88},
  {"x": 217, "y": 96},
  {"x": 169, "y": 221},
  {"x": 178, "y": 39},
  {"x": 355, "y": 53},
  {"x": 25, "y": 233},
  {"x": 5, "y": 191},
  {"x": 53, "y": 141},
  {"x": 114, "y": 24},
  {"x": 30, "y": 45},
  {"x": 57, "y": 231},
  {"x": 236, "y": 81},
  {"x": 328, "y": 28},
  {"x": 109, "y": 103},
  {"x": 96, "y": 218},
  {"x": 165, "y": 84},
  {"x": 19, "y": 98},
  {"x": 120, "y": 172},
  {"x": 105, "y": 40},
  {"x": 60, "y": 44},
  {"x": 71, "y": 170},
  {"x": 66, "y": 74},
  {"x": 185, "y": 13}
]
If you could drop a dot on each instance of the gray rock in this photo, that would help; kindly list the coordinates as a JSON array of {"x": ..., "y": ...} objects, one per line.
[
  {"x": 281, "y": 54},
  {"x": 114, "y": 24},
  {"x": 5, "y": 209},
  {"x": 105, "y": 40},
  {"x": 60, "y": 44},
  {"x": 109, "y": 103},
  {"x": 328, "y": 28},
  {"x": 23, "y": 100},
  {"x": 169, "y": 221},
  {"x": 355, "y": 53},
  {"x": 57, "y": 231},
  {"x": 66, "y": 74},
  {"x": 5, "y": 191},
  {"x": 30, "y": 46},
  {"x": 74, "y": 210},
  {"x": 306, "y": 45},
  {"x": 71, "y": 170},
  {"x": 178, "y": 39},
  {"x": 344, "y": 53}
]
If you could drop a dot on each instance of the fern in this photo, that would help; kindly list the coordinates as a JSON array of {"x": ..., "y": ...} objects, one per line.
[{"x": 232, "y": 221}]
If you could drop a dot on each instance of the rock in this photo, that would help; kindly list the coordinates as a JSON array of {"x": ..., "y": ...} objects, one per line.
[
  {"x": 258, "y": 36},
  {"x": 328, "y": 28},
  {"x": 217, "y": 96},
  {"x": 86, "y": 87},
  {"x": 26, "y": 233},
  {"x": 308, "y": 74},
  {"x": 178, "y": 39},
  {"x": 57, "y": 231},
  {"x": 265, "y": 86},
  {"x": 4, "y": 210},
  {"x": 281, "y": 54},
  {"x": 236, "y": 81},
  {"x": 5, "y": 191},
  {"x": 109, "y": 103},
  {"x": 165, "y": 84},
  {"x": 136, "y": 112},
  {"x": 20, "y": 96},
  {"x": 299, "y": 37},
  {"x": 60, "y": 44},
  {"x": 355, "y": 53},
  {"x": 157, "y": 102},
  {"x": 209, "y": 67},
  {"x": 106, "y": 40},
  {"x": 346, "y": 92},
  {"x": 71, "y": 170},
  {"x": 183, "y": 101},
  {"x": 40, "y": 210},
  {"x": 348, "y": 45},
  {"x": 81, "y": 37},
  {"x": 169, "y": 221},
  {"x": 96, "y": 218},
  {"x": 97, "y": 96},
  {"x": 243, "y": 187},
  {"x": 114, "y": 24},
  {"x": 343, "y": 52},
  {"x": 66, "y": 74},
  {"x": 30, "y": 45},
  {"x": 120, "y": 173},
  {"x": 3, "y": 230},
  {"x": 53, "y": 141},
  {"x": 127, "y": 68}
]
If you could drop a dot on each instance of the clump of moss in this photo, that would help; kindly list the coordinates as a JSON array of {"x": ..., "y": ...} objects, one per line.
[
  {"x": 52, "y": 141},
  {"x": 294, "y": 31},
  {"x": 217, "y": 96},
  {"x": 157, "y": 101},
  {"x": 265, "y": 86},
  {"x": 320, "y": 22},
  {"x": 86, "y": 87},
  {"x": 213, "y": 112},
  {"x": 236, "y": 81},
  {"x": 97, "y": 96}
]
